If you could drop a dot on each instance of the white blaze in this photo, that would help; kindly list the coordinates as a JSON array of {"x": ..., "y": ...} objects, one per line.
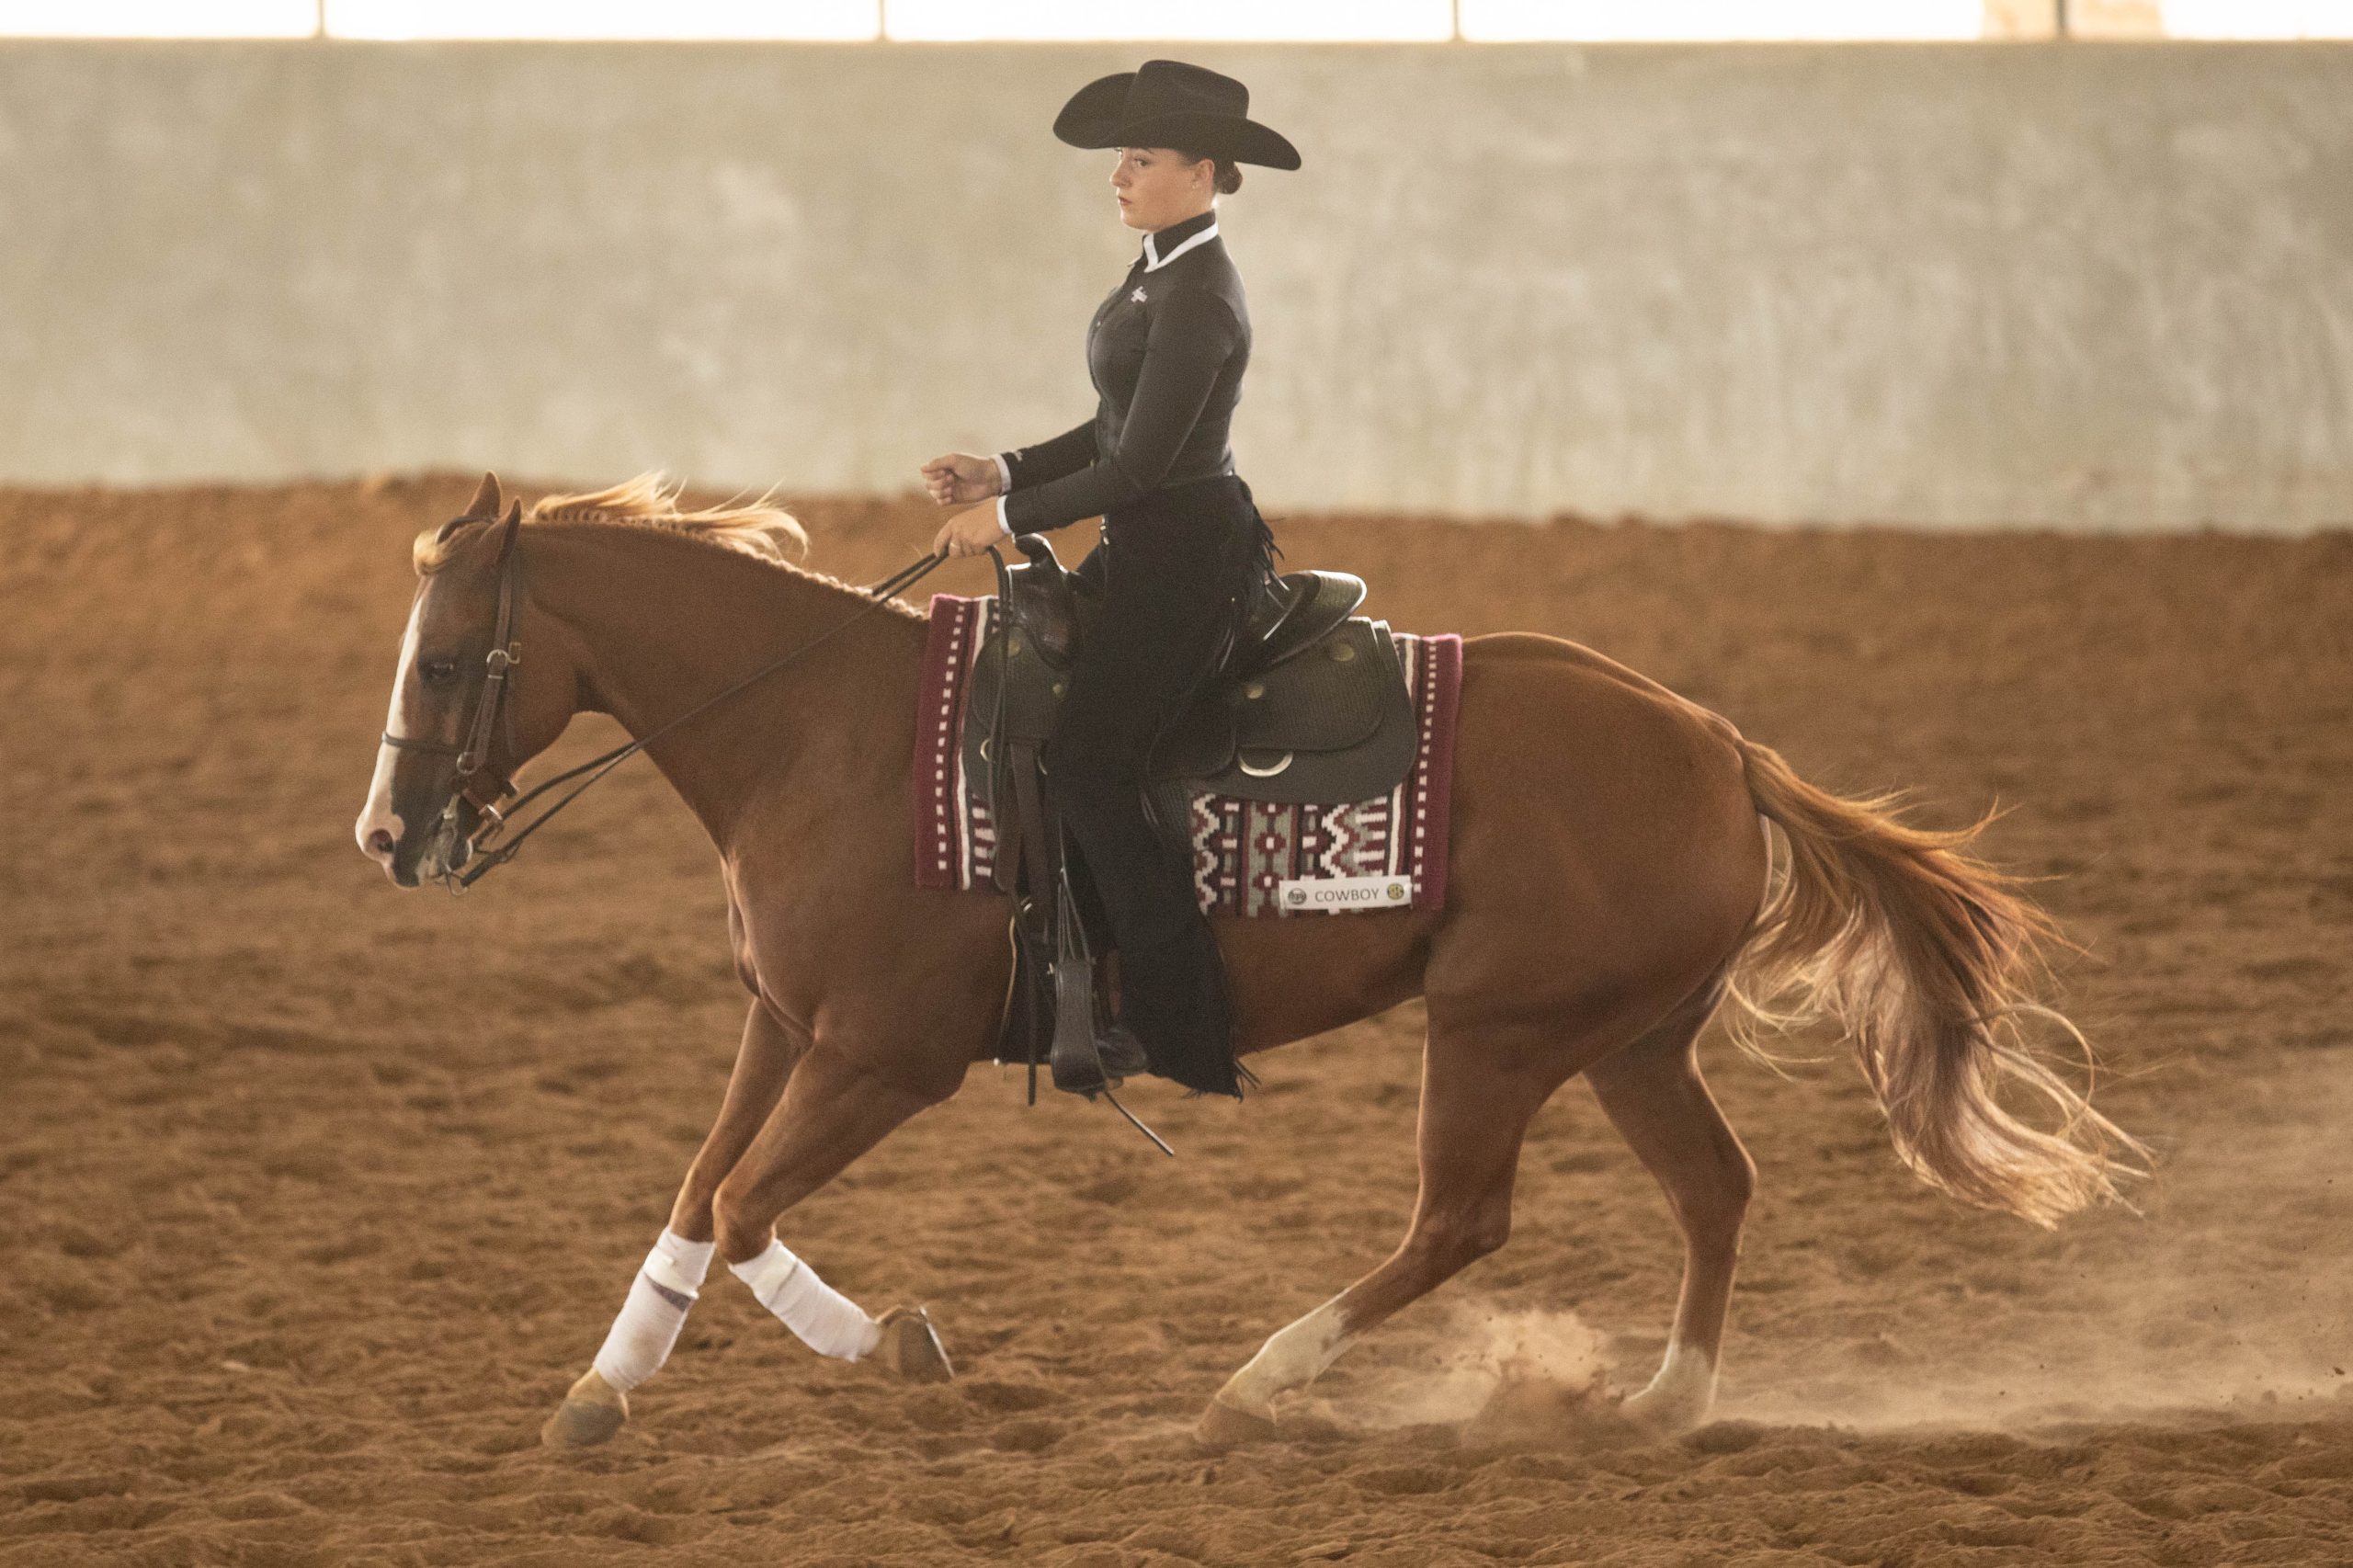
[{"x": 377, "y": 813}]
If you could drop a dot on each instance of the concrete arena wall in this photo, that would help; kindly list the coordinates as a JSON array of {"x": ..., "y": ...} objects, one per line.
[{"x": 2097, "y": 287}]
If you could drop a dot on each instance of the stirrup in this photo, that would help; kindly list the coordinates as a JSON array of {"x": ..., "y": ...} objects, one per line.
[{"x": 1077, "y": 1063}]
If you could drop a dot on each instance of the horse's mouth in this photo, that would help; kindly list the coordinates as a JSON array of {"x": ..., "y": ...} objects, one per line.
[{"x": 447, "y": 849}]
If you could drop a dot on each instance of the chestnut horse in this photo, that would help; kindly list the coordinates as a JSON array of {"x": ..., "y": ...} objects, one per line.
[{"x": 1612, "y": 882}]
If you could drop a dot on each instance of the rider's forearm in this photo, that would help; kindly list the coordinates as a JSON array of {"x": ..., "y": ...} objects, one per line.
[{"x": 1048, "y": 459}]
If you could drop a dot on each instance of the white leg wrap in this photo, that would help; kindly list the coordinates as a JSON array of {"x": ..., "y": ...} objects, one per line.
[
  {"x": 826, "y": 1321},
  {"x": 1293, "y": 1358},
  {"x": 1683, "y": 1392},
  {"x": 650, "y": 1319}
]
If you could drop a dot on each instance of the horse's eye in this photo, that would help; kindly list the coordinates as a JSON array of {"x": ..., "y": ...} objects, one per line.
[{"x": 440, "y": 671}]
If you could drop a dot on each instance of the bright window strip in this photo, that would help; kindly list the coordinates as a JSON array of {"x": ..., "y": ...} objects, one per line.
[
  {"x": 1615, "y": 21},
  {"x": 681, "y": 21},
  {"x": 2258, "y": 18},
  {"x": 159, "y": 18},
  {"x": 1240, "y": 20},
  {"x": 1202, "y": 20}
]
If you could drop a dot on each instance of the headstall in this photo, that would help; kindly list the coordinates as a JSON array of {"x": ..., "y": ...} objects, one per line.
[
  {"x": 492, "y": 701},
  {"x": 493, "y": 710}
]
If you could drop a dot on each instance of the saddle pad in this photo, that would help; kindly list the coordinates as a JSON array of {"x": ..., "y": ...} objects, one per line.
[{"x": 1249, "y": 856}]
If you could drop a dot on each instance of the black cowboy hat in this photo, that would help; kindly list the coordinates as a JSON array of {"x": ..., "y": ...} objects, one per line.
[{"x": 1170, "y": 104}]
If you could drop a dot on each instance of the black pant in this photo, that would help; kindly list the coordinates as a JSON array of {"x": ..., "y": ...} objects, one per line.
[{"x": 1177, "y": 569}]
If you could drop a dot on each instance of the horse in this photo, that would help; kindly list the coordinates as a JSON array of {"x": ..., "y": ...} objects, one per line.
[{"x": 1613, "y": 885}]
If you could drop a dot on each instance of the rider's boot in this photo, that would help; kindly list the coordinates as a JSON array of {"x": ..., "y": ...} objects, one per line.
[
  {"x": 1121, "y": 1053},
  {"x": 1172, "y": 1006}
]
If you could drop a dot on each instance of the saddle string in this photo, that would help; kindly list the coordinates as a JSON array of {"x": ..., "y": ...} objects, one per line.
[{"x": 495, "y": 855}]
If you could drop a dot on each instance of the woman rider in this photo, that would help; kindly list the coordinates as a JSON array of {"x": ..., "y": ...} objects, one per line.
[{"x": 1183, "y": 546}]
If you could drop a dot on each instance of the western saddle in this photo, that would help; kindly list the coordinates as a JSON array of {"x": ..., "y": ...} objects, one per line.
[{"x": 1307, "y": 702}]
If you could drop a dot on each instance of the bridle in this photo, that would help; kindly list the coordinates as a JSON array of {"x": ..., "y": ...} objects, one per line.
[
  {"x": 490, "y": 702},
  {"x": 494, "y": 713}
]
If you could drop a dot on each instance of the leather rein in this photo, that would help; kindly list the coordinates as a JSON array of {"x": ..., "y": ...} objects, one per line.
[{"x": 494, "y": 708}]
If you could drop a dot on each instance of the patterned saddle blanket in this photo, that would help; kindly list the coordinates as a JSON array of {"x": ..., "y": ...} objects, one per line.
[{"x": 1251, "y": 856}]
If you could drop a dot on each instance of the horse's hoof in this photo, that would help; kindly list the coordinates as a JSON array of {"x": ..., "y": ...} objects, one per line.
[
  {"x": 1677, "y": 1400},
  {"x": 1224, "y": 1426},
  {"x": 1660, "y": 1417},
  {"x": 910, "y": 1346},
  {"x": 592, "y": 1410}
]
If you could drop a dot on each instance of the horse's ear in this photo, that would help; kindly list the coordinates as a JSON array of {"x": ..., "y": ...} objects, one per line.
[
  {"x": 486, "y": 500},
  {"x": 513, "y": 520}
]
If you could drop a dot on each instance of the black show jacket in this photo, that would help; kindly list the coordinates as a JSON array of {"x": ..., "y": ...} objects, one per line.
[{"x": 1165, "y": 350}]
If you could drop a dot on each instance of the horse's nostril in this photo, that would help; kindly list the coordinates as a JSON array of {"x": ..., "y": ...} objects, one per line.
[{"x": 380, "y": 841}]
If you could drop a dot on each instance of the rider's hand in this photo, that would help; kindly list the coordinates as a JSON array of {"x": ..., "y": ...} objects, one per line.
[
  {"x": 960, "y": 479},
  {"x": 969, "y": 532}
]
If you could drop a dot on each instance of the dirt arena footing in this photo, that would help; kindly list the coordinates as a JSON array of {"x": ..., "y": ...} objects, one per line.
[{"x": 314, "y": 1196}]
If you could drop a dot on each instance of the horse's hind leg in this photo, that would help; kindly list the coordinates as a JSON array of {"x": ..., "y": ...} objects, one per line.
[
  {"x": 1474, "y": 1116},
  {"x": 1653, "y": 1093}
]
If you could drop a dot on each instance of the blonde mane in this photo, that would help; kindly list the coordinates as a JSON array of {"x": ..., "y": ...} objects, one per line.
[{"x": 651, "y": 500}]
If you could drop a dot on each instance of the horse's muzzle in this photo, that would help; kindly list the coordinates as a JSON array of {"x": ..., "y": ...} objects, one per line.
[{"x": 442, "y": 851}]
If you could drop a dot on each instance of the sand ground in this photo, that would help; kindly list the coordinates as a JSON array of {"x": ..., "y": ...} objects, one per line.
[{"x": 314, "y": 1195}]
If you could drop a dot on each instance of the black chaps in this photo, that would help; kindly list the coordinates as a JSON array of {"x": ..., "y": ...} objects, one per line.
[{"x": 1177, "y": 569}]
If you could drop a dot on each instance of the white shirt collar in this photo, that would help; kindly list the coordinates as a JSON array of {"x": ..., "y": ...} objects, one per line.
[{"x": 1153, "y": 261}]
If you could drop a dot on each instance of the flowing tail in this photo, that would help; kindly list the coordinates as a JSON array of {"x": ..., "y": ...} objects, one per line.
[{"x": 1928, "y": 957}]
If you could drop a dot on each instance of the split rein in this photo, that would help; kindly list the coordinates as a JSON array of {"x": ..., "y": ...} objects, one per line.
[{"x": 505, "y": 653}]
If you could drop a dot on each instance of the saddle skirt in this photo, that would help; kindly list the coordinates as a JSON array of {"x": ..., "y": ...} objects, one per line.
[{"x": 1317, "y": 779}]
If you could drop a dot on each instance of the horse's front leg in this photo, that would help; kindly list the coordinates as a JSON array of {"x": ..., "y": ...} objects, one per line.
[
  {"x": 655, "y": 1309},
  {"x": 840, "y": 1102},
  {"x": 795, "y": 1116}
]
